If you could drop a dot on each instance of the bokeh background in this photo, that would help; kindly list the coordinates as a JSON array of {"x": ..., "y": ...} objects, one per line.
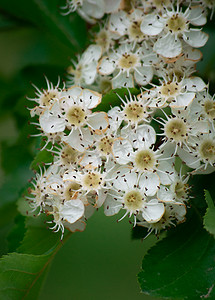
[{"x": 36, "y": 40}]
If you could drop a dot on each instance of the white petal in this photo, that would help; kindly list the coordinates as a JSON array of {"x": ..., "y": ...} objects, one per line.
[
  {"x": 197, "y": 16},
  {"x": 90, "y": 160},
  {"x": 151, "y": 25},
  {"x": 143, "y": 137},
  {"x": 165, "y": 195},
  {"x": 153, "y": 211},
  {"x": 168, "y": 46},
  {"x": 92, "y": 53},
  {"x": 143, "y": 75},
  {"x": 79, "y": 225},
  {"x": 78, "y": 141},
  {"x": 72, "y": 210},
  {"x": 98, "y": 122},
  {"x": 194, "y": 84},
  {"x": 111, "y": 206},
  {"x": 89, "y": 73},
  {"x": 122, "y": 80},
  {"x": 50, "y": 121},
  {"x": 149, "y": 183},
  {"x": 102, "y": 195},
  {"x": 74, "y": 92},
  {"x": 193, "y": 54},
  {"x": 166, "y": 172},
  {"x": 111, "y": 5},
  {"x": 118, "y": 22},
  {"x": 183, "y": 100},
  {"x": 106, "y": 66},
  {"x": 188, "y": 158},
  {"x": 91, "y": 98},
  {"x": 122, "y": 150},
  {"x": 195, "y": 38}
]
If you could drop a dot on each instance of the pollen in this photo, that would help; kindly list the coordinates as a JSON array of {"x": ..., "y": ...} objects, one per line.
[
  {"x": 105, "y": 145},
  {"x": 207, "y": 150},
  {"x": 71, "y": 191},
  {"x": 169, "y": 89},
  {"x": 134, "y": 31},
  {"x": 76, "y": 116},
  {"x": 176, "y": 130},
  {"x": 47, "y": 97},
  {"x": 176, "y": 24},
  {"x": 145, "y": 160},
  {"x": 128, "y": 61},
  {"x": 133, "y": 200},
  {"x": 92, "y": 181},
  {"x": 69, "y": 155},
  {"x": 209, "y": 108},
  {"x": 134, "y": 112},
  {"x": 180, "y": 189}
]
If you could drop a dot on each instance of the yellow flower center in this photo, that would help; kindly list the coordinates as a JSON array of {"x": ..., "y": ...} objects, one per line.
[
  {"x": 76, "y": 116},
  {"x": 176, "y": 24},
  {"x": 133, "y": 200},
  {"x": 145, "y": 160},
  {"x": 176, "y": 130},
  {"x": 128, "y": 61},
  {"x": 92, "y": 180},
  {"x": 105, "y": 145}
]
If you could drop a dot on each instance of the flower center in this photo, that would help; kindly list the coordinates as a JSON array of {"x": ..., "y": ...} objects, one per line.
[
  {"x": 47, "y": 98},
  {"x": 169, "y": 89},
  {"x": 175, "y": 129},
  {"x": 102, "y": 39},
  {"x": 180, "y": 189},
  {"x": 207, "y": 150},
  {"x": 105, "y": 145},
  {"x": 69, "y": 155},
  {"x": 209, "y": 108},
  {"x": 134, "y": 31},
  {"x": 134, "y": 112},
  {"x": 76, "y": 115},
  {"x": 128, "y": 61},
  {"x": 145, "y": 160},
  {"x": 133, "y": 200},
  {"x": 176, "y": 24},
  {"x": 71, "y": 190},
  {"x": 92, "y": 180}
]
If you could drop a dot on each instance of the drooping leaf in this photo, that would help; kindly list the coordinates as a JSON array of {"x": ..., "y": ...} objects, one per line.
[
  {"x": 182, "y": 265},
  {"x": 209, "y": 218}
]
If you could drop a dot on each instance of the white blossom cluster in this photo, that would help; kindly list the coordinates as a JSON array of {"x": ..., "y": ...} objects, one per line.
[{"x": 117, "y": 159}]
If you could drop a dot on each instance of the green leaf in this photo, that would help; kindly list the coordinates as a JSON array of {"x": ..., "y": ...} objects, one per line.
[
  {"x": 22, "y": 273},
  {"x": 112, "y": 98},
  {"x": 209, "y": 218},
  {"x": 42, "y": 157},
  {"x": 181, "y": 266}
]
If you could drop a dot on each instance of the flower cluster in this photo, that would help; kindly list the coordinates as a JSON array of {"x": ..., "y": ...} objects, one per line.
[{"x": 136, "y": 157}]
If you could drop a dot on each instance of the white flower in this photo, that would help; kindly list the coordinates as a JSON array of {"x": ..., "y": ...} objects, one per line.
[
  {"x": 130, "y": 192},
  {"x": 128, "y": 63},
  {"x": 84, "y": 72},
  {"x": 176, "y": 93},
  {"x": 174, "y": 25}
]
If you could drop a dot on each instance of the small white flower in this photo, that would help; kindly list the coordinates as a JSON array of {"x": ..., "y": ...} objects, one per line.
[
  {"x": 84, "y": 72},
  {"x": 174, "y": 25}
]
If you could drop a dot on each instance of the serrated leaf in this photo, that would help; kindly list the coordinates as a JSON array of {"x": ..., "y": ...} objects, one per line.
[
  {"x": 182, "y": 265},
  {"x": 112, "y": 98},
  {"x": 209, "y": 218}
]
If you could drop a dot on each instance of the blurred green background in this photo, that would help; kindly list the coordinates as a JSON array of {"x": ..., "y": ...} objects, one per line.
[{"x": 36, "y": 40}]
